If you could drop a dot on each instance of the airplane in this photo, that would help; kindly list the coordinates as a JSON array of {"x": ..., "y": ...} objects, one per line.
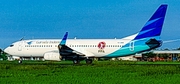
[{"x": 146, "y": 39}]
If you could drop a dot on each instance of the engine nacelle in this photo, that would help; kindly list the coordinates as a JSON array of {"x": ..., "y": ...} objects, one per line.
[{"x": 53, "y": 56}]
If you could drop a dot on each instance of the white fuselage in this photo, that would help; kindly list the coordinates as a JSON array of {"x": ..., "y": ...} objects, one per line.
[{"x": 89, "y": 47}]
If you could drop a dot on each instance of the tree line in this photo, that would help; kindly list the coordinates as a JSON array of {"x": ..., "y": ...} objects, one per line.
[
  {"x": 3, "y": 55},
  {"x": 150, "y": 56}
]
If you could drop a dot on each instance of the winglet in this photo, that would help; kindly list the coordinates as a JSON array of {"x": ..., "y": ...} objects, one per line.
[
  {"x": 154, "y": 25},
  {"x": 63, "y": 41}
]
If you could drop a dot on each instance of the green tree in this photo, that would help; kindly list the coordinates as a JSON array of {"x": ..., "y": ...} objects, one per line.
[
  {"x": 150, "y": 54},
  {"x": 165, "y": 56},
  {"x": 3, "y": 55},
  {"x": 178, "y": 48},
  {"x": 166, "y": 49}
]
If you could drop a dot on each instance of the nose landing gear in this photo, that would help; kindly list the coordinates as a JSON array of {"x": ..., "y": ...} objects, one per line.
[{"x": 20, "y": 61}]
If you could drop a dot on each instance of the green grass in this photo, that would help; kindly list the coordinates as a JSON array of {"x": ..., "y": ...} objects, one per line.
[{"x": 103, "y": 72}]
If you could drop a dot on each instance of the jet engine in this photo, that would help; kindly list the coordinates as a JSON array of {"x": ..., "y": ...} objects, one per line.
[{"x": 52, "y": 55}]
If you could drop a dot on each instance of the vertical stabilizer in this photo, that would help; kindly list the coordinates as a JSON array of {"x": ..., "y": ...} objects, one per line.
[{"x": 153, "y": 26}]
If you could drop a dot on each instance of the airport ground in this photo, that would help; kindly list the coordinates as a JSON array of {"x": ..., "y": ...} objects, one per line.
[{"x": 100, "y": 72}]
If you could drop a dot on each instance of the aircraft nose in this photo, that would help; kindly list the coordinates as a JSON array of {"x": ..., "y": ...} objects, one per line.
[{"x": 6, "y": 50}]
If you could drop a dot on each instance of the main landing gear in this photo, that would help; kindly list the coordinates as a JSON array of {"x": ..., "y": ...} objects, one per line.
[
  {"x": 88, "y": 61},
  {"x": 76, "y": 60}
]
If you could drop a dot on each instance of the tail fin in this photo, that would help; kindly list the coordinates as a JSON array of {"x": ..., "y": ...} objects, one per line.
[
  {"x": 63, "y": 41},
  {"x": 153, "y": 27}
]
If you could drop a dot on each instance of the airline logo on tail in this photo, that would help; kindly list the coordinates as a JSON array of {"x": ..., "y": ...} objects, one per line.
[{"x": 154, "y": 25}]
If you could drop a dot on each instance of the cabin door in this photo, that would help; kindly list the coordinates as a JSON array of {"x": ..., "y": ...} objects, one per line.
[{"x": 20, "y": 46}]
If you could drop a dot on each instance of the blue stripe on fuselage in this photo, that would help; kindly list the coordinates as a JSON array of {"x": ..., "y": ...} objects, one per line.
[{"x": 139, "y": 46}]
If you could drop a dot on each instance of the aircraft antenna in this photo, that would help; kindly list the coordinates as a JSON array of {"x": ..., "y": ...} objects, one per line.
[{"x": 22, "y": 39}]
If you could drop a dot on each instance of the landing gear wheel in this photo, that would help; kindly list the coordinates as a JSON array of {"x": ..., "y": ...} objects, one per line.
[
  {"x": 20, "y": 61},
  {"x": 88, "y": 61},
  {"x": 75, "y": 61}
]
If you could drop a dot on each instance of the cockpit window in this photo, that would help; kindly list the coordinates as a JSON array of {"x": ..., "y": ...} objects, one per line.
[{"x": 11, "y": 45}]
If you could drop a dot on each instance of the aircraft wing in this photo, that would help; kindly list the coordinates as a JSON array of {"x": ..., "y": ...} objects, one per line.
[{"x": 66, "y": 51}]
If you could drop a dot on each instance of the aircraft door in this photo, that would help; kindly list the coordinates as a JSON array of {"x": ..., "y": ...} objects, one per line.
[
  {"x": 20, "y": 46},
  {"x": 131, "y": 46}
]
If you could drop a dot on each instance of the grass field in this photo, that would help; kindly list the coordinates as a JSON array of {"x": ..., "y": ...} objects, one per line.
[{"x": 101, "y": 72}]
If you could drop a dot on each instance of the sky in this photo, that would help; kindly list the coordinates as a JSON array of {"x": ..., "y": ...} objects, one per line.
[{"x": 50, "y": 19}]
